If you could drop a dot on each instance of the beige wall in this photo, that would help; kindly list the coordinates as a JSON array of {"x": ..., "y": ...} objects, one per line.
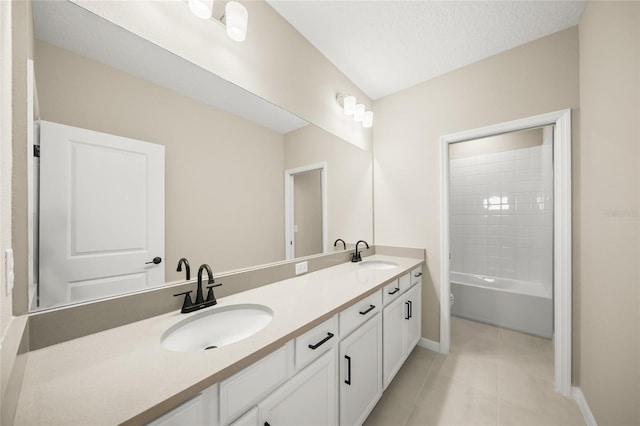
[
  {"x": 274, "y": 62},
  {"x": 409, "y": 124},
  {"x": 307, "y": 208},
  {"x": 606, "y": 260},
  {"x": 349, "y": 190},
  {"x": 224, "y": 192},
  {"x": 492, "y": 144}
]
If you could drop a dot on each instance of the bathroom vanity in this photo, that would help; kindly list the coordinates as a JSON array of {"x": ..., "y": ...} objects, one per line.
[{"x": 319, "y": 360}]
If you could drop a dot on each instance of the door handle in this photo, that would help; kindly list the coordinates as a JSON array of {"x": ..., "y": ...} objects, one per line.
[
  {"x": 321, "y": 342},
  {"x": 369, "y": 309},
  {"x": 348, "y": 380},
  {"x": 156, "y": 260}
]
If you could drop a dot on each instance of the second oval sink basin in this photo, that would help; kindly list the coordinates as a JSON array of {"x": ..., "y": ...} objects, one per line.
[
  {"x": 216, "y": 328},
  {"x": 378, "y": 264}
]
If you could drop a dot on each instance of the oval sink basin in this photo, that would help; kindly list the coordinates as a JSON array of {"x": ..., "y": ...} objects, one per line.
[
  {"x": 378, "y": 264},
  {"x": 216, "y": 328}
]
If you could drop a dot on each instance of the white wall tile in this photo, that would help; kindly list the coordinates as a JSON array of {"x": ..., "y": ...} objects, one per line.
[{"x": 501, "y": 214}]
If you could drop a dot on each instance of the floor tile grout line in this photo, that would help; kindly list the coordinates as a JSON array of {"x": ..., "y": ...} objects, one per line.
[{"x": 414, "y": 406}]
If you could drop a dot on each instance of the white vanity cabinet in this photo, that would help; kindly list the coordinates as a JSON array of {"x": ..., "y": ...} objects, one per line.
[
  {"x": 308, "y": 398},
  {"x": 245, "y": 389},
  {"x": 199, "y": 411},
  {"x": 333, "y": 374},
  {"x": 360, "y": 372},
  {"x": 393, "y": 331},
  {"x": 402, "y": 320}
]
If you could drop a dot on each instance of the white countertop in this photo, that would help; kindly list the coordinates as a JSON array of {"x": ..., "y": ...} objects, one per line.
[{"x": 115, "y": 375}]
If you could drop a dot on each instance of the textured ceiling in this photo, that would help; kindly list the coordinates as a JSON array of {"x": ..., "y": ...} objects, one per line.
[{"x": 385, "y": 46}]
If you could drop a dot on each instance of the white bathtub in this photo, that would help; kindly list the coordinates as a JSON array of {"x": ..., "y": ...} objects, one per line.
[{"x": 518, "y": 305}]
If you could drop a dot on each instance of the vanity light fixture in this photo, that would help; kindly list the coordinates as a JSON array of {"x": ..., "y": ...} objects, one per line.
[
  {"x": 351, "y": 107},
  {"x": 233, "y": 16},
  {"x": 358, "y": 115},
  {"x": 349, "y": 104},
  {"x": 367, "y": 120},
  {"x": 236, "y": 16},
  {"x": 203, "y": 9}
]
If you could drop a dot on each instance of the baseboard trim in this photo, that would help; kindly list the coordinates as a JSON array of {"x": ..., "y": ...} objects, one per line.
[
  {"x": 429, "y": 344},
  {"x": 577, "y": 394}
]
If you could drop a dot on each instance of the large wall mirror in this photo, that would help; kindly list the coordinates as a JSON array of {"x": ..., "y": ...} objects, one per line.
[{"x": 140, "y": 147}]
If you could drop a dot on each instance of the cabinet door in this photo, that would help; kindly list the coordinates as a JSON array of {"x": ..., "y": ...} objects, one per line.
[
  {"x": 189, "y": 413},
  {"x": 250, "y": 418},
  {"x": 361, "y": 372},
  {"x": 394, "y": 338},
  {"x": 414, "y": 322},
  {"x": 309, "y": 398}
]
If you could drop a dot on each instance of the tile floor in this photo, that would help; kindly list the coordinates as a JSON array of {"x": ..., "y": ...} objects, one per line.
[{"x": 493, "y": 376}]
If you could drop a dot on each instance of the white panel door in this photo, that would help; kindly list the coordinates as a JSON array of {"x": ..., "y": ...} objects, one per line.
[{"x": 101, "y": 214}]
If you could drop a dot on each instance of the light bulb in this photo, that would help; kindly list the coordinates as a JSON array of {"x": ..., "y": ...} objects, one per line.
[
  {"x": 349, "y": 104},
  {"x": 201, "y": 8},
  {"x": 358, "y": 115},
  {"x": 236, "y": 17},
  {"x": 367, "y": 120}
]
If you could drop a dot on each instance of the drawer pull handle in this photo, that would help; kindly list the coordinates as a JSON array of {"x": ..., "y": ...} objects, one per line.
[
  {"x": 395, "y": 290},
  {"x": 408, "y": 314},
  {"x": 418, "y": 274},
  {"x": 369, "y": 309},
  {"x": 317, "y": 345},
  {"x": 266, "y": 424},
  {"x": 348, "y": 379}
]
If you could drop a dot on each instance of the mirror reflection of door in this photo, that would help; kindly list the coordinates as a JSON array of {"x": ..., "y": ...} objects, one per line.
[
  {"x": 101, "y": 214},
  {"x": 307, "y": 208}
]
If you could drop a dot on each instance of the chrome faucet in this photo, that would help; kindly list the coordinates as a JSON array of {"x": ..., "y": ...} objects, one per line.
[
  {"x": 355, "y": 257},
  {"x": 200, "y": 303},
  {"x": 186, "y": 265},
  {"x": 335, "y": 243}
]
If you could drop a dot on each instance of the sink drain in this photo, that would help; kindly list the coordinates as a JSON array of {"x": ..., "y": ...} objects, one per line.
[{"x": 210, "y": 347}]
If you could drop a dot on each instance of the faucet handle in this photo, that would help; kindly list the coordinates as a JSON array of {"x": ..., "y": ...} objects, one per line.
[
  {"x": 210, "y": 296},
  {"x": 187, "y": 300}
]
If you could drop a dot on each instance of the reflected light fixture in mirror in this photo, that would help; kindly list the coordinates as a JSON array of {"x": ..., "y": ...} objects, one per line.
[{"x": 234, "y": 17}]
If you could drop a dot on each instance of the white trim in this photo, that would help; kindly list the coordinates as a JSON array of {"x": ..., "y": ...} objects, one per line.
[
  {"x": 289, "y": 241},
  {"x": 562, "y": 232},
  {"x": 32, "y": 185},
  {"x": 583, "y": 406},
  {"x": 429, "y": 344}
]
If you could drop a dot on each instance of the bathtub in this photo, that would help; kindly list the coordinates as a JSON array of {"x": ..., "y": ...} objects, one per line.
[{"x": 519, "y": 305}]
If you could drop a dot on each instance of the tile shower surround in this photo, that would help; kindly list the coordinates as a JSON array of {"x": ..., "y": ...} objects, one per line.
[{"x": 502, "y": 214}]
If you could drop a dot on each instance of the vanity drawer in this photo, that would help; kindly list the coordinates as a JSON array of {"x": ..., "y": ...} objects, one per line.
[
  {"x": 405, "y": 282},
  {"x": 316, "y": 341},
  {"x": 361, "y": 311},
  {"x": 391, "y": 292},
  {"x": 416, "y": 275},
  {"x": 246, "y": 388}
]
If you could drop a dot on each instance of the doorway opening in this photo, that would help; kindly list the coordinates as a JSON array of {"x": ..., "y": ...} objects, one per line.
[
  {"x": 559, "y": 246},
  {"x": 306, "y": 210}
]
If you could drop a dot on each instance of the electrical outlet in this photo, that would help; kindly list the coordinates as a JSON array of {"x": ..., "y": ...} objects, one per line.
[
  {"x": 301, "y": 268},
  {"x": 8, "y": 269}
]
